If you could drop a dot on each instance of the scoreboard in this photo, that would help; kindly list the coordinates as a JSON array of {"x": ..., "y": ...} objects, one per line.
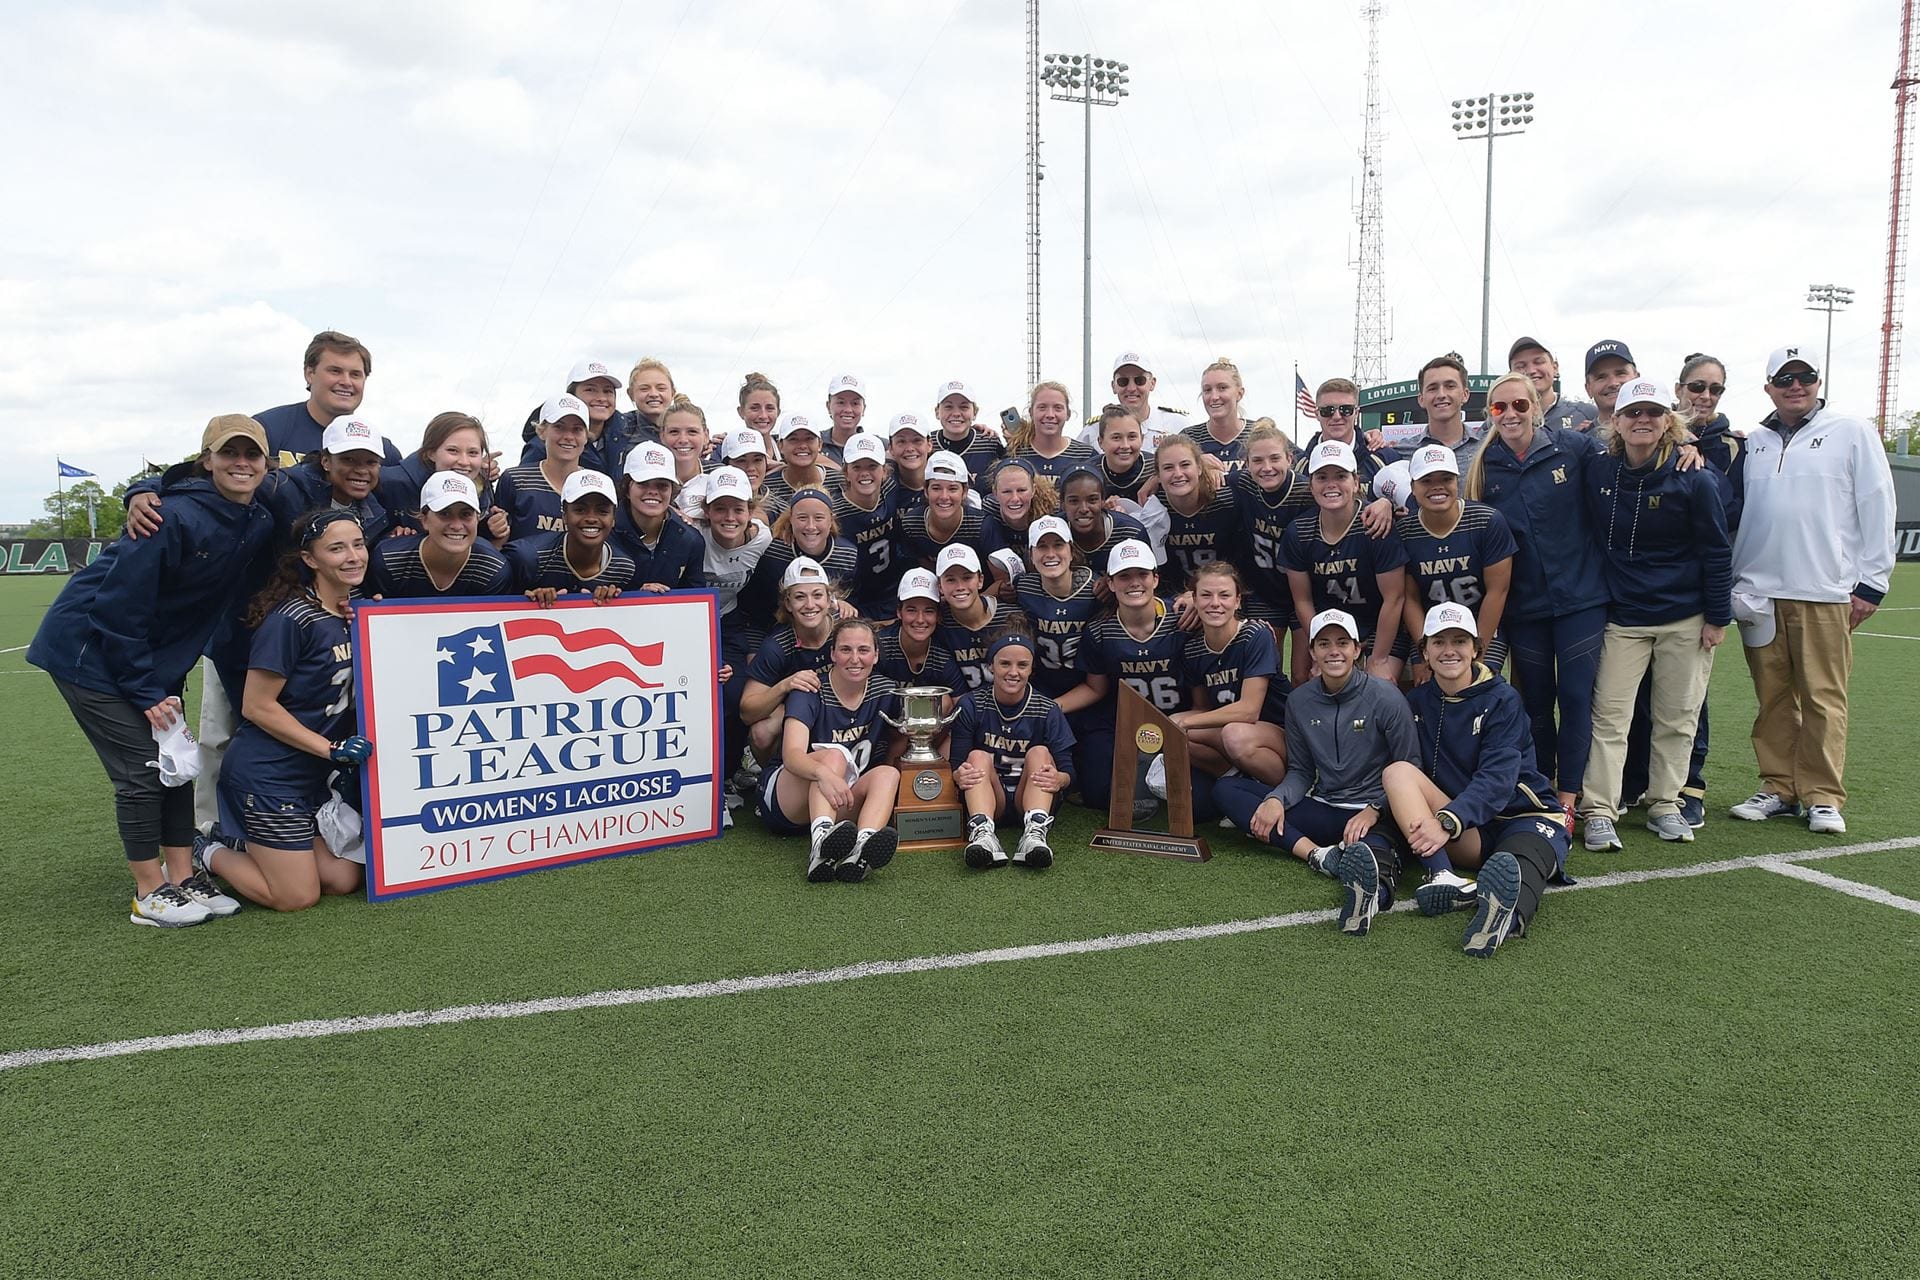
[{"x": 1394, "y": 407}]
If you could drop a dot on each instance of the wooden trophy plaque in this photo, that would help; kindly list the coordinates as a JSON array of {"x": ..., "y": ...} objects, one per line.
[{"x": 1142, "y": 732}]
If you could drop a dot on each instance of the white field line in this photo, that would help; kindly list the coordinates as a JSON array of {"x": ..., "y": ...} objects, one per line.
[
  {"x": 1872, "y": 893},
  {"x": 317, "y": 1028},
  {"x": 1885, "y": 635},
  {"x": 16, "y": 649}
]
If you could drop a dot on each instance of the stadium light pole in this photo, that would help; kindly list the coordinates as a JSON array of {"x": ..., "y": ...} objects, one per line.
[
  {"x": 1496, "y": 115},
  {"x": 1828, "y": 298},
  {"x": 1091, "y": 82}
]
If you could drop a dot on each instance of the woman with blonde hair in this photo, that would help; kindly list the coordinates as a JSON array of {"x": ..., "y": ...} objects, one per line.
[
  {"x": 1223, "y": 434},
  {"x": 1668, "y": 559},
  {"x": 650, "y": 387},
  {"x": 1041, "y": 437}
]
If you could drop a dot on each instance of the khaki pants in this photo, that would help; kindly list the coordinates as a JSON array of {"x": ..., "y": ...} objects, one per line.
[
  {"x": 218, "y": 720},
  {"x": 1680, "y": 671},
  {"x": 1800, "y": 682}
]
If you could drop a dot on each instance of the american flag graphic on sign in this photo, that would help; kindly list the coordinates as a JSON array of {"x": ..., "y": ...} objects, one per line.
[{"x": 479, "y": 665}]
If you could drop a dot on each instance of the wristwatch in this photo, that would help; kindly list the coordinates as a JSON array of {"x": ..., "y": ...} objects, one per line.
[{"x": 1449, "y": 824}]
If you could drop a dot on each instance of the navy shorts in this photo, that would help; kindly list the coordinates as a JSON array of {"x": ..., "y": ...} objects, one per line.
[
  {"x": 770, "y": 815},
  {"x": 279, "y": 822}
]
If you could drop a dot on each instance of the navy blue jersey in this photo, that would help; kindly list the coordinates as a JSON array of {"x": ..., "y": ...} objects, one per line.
[
  {"x": 396, "y": 572},
  {"x": 936, "y": 669},
  {"x": 1075, "y": 456},
  {"x": 314, "y": 651},
  {"x": 1232, "y": 454},
  {"x": 293, "y": 433},
  {"x": 1008, "y": 733},
  {"x": 781, "y": 655},
  {"x": 541, "y": 561},
  {"x": 1058, "y": 625},
  {"x": 758, "y": 598},
  {"x": 914, "y": 545},
  {"x": 1120, "y": 528},
  {"x": 780, "y": 490},
  {"x": 1125, "y": 484},
  {"x": 1211, "y": 533},
  {"x": 979, "y": 449},
  {"x": 877, "y": 574},
  {"x": 858, "y": 728},
  {"x": 969, "y": 644},
  {"x": 1251, "y": 653},
  {"x": 1371, "y": 461},
  {"x": 1264, "y": 517},
  {"x": 1454, "y": 567},
  {"x": 676, "y": 558},
  {"x": 1345, "y": 574},
  {"x": 531, "y": 503},
  {"x": 1153, "y": 666}
]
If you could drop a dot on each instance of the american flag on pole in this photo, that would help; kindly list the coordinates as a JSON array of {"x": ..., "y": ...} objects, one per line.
[{"x": 1304, "y": 398}]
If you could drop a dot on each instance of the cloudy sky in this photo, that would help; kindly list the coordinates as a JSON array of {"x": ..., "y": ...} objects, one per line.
[{"x": 486, "y": 191}]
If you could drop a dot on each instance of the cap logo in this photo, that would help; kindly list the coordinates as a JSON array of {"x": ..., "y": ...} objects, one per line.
[
  {"x": 956, "y": 386},
  {"x": 1793, "y": 351}
]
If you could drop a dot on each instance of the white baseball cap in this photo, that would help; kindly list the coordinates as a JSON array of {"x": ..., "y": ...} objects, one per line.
[
  {"x": 907, "y": 422},
  {"x": 350, "y": 435},
  {"x": 444, "y": 489},
  {"x": 955, "y": 388},
  {"x": 864, "y": 446},
  {"x": 918, "y": 584},
  {"x": 1130, "y": 553},
  {"x": 847, "y": 382},
  {"x": 588, "y": 370},
  {"x": 583, "y": 482},
  {"x": 744, "y": 443},
  {"x": 792, "y": 422},
  {"x": 1048, "y": 525},
  {"x": 1394, "y": 482},
  {"x": 1008, "y": 561},
  {"x": 802, "y": 569},
  {"x": 945, "y": 465},
  {"x": 1641, "y": 391},
  {"x": 650, "y": 461},
  {"x": 1332, "y": 618},
  {"x": 1139, "y": 359},
  {"x": 1784, "y": 356},
  {"x": 728, "y": 482},
  {"x": 566, "y": 405},
  {"x": 1448, "y": 616},
  {"x": 1332, "y": 453},
  {"x": 1430, "y": 458},
  {"x": 957, "y": 553}
]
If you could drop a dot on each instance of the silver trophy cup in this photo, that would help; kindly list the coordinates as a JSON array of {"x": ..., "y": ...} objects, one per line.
[{"x": 921, "y": 721}]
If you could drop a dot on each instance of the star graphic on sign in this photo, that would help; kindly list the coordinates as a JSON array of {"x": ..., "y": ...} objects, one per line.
[
  {"x": 444, "y": 655},
  {"x": 479, "y": 682},
  {"x": 480, "y": 644}
]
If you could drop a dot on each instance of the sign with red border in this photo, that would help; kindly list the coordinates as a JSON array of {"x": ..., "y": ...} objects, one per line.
[{"x": 510, "y": 738}]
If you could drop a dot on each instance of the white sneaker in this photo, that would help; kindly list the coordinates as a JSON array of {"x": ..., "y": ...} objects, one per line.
[
  {"x": 1033, "y": 850},
  {"x": 201, "y": 888},
  {"x": 168, "y": 908},
  {"x": 1760, "y": 806},
  {"x": 1825, "y": 820},
  {"x": 1157, "y": 776}
]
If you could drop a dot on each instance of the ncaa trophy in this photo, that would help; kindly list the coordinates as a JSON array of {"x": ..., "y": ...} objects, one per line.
[
  {"x": 1141, "y": 732},
  {"x": 928, "y": 813}
]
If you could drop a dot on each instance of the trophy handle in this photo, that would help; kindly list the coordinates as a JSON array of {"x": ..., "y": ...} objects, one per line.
[
  {"x": 897, "y": 726},
  {"x": 947, "y": 719}
]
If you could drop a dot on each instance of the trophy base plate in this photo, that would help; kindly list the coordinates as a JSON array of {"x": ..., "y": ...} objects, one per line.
[{"x": 1153, "y": 844}]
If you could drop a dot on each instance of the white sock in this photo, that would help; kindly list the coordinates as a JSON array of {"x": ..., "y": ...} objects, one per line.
[
  {"x": 860, "y": 838},
  {"x": 1039, "y": 818}
]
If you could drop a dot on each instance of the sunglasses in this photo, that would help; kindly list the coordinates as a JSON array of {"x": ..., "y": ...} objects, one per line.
[
  {"x": 1701, "y": 384},
  {"x": 1137, "y": 380},
  {"x": 1339, "y": 410},
  {"x": 1806, "y": 378},
  {"x": 1518, "y": 406},
  {"x": 1644, "y": 411}
]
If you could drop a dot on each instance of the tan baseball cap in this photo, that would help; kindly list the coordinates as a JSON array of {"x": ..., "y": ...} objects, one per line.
[{"x": 231, "y": 426}]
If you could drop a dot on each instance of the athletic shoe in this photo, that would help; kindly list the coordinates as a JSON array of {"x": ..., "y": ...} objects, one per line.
[
  {"x": 1157, "y": 776},
  {"x": 1825, "y": 820},
  {"x": 1144, "y": 807},
  {"x": 837, "y": 844},
  {"x": 1326, "y": 860},
  {"x": 984, "y": 853},
  {"x": 1445, "y": 891},
  {"x": 1671, "y": 826},
  {"x": 201, "y": 888},
  {"x": 1694, "y": 810},
  {"x": 1493, "y": 920},
  {"x": 726, "y": 817},
  {"x": 1600, "y": 835},
  {"x": 1762, "y": 805},
  {"x": 168, "y": 908},
  {"x": 819, "y": 868},
  {"x": 879, "y": 848},
  {"x": 1359, "y": 871},
  {"x": 1034, "y": 851}
]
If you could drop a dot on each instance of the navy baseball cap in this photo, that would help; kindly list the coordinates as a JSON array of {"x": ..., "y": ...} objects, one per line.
[
  {"x": 1610, "y": 347},
  {"x": 1525, "y": 344}
]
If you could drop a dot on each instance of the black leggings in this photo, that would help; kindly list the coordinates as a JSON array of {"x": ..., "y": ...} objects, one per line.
[{"x": 150, "y": 814}]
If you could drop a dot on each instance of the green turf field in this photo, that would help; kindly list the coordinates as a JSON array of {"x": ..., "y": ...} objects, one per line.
[{"x": 1709, "y": 1075}]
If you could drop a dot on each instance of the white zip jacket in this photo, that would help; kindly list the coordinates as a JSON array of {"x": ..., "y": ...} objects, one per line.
[{"x": 1816, "y": 522}]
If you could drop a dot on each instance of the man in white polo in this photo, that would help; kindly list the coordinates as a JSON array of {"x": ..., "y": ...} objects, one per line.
[
  {"x": 1133, "y": 384},
  {"x": 1811, "y": 562}
]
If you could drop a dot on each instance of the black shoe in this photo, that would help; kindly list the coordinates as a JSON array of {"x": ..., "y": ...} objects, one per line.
[
  {"x": 880, "y": 847},
  {"x": 1493, "y": 921},
  {"x": 1445, "y": 891},
  {"x": 838, "y": 842},
  {"x": 819, "y": 868},
  {"x": 1694, "y": 810},
  {"x": 1360, "y": 876}
]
